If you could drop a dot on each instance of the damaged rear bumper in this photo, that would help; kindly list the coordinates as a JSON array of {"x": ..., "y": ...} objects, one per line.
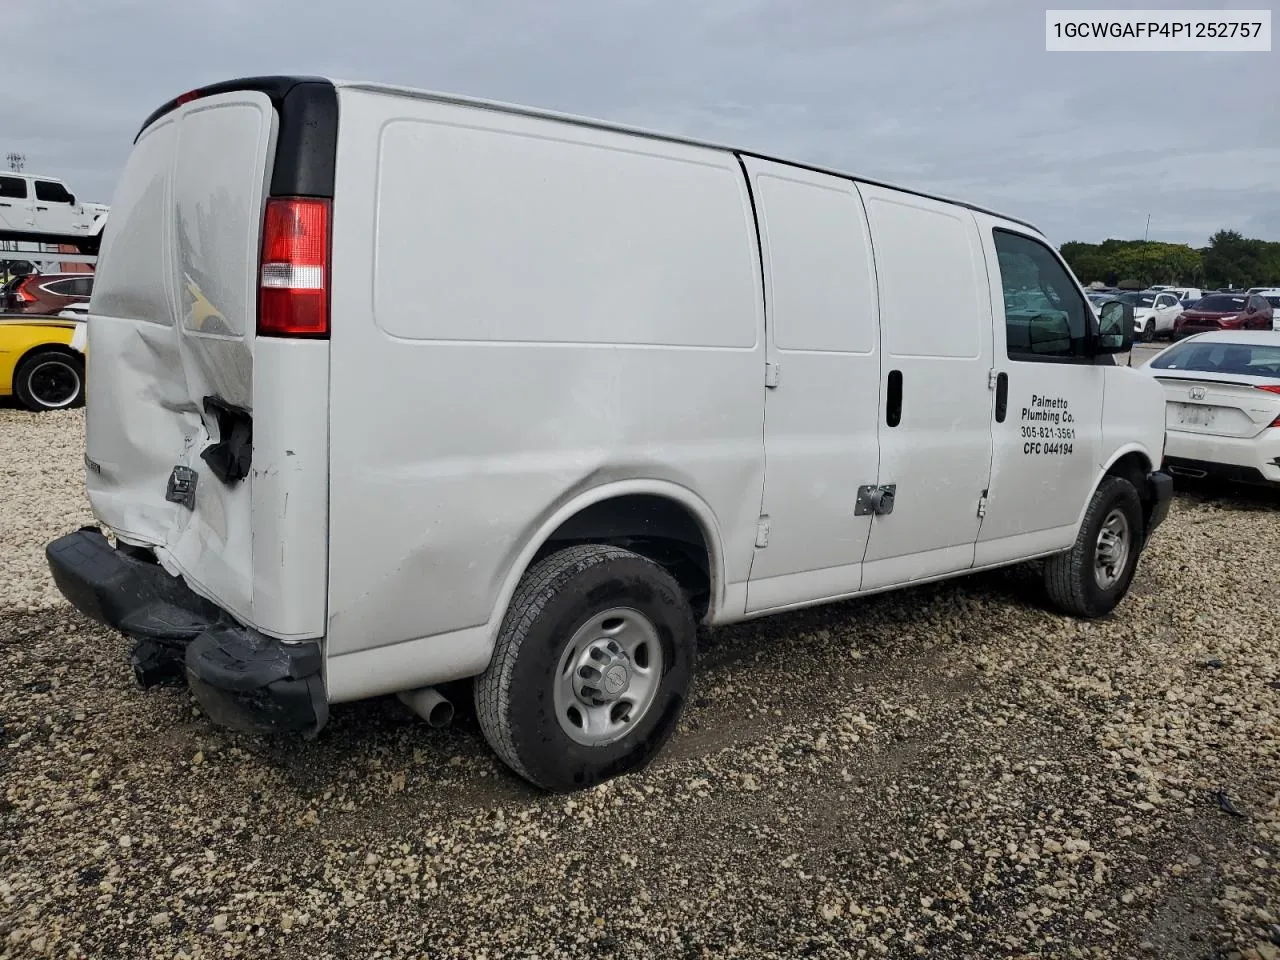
[{"x": 242, "y": 678}]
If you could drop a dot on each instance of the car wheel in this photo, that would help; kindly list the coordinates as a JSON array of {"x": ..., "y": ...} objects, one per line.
[
  {"x": 591, "y": 668},
  {"x": 1094, "y": 575},
  {"x": 1149, "y": 331},
  {"x": 49, "y": 380}
]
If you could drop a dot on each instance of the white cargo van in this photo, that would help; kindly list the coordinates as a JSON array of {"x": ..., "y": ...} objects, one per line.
[{"x": 388, "y": 389}]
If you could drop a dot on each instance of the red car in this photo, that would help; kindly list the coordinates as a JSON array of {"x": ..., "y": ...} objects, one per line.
[
  {"x": 47, "y": 294},
  {"x": 1224, "y": 311}
]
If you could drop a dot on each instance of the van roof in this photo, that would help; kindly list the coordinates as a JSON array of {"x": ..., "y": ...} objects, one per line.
[
  {"x": 278, "y": 86},
  {"x": 521, "y": 110}
]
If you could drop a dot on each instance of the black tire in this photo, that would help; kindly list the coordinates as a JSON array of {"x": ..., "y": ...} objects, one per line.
[
  {"x": 556, "y": 596},
  {"x": 1149, "y": 331},
  {"x": 49, "y": 380},
  {"x": 1069, "y": 577}
]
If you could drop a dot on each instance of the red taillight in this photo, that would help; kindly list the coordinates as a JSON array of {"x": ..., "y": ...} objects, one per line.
[
  {"x": 293, "y": 287},
  {"x": 1270, "y": 388},
  {"x": 21, "y": 294}
]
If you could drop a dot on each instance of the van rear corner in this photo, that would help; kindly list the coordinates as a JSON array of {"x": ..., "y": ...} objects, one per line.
[
  {"x": 242, "y": 679},
  {"x": 214, "y": 478}
]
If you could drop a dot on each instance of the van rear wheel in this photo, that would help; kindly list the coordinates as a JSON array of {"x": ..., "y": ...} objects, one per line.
[
  {"x": 1091, "y": 578},
  {"x": 591, "y": 668}
]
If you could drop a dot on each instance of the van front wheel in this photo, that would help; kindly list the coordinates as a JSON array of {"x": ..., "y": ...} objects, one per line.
[
  {"x": 1094, "y": 575},
  {"x": 591, "y": 668}
]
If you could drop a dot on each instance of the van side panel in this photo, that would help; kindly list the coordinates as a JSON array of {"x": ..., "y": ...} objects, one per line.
[
  {"x": 524, "y": 309},
  {"x": 290, "y": 486}
]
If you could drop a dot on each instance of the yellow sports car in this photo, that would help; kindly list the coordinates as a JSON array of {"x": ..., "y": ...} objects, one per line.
[{"x": 42, "y": 361}]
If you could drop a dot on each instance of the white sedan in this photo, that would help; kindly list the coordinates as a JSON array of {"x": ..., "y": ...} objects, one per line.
[{"x": 1222, "y": 405}]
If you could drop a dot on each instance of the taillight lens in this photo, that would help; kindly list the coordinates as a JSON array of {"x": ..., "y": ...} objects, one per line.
[
  {"x": 1270, "y": 388},
  {"x": 293, "y": 291},
  {"x": 21, "y": 294}
]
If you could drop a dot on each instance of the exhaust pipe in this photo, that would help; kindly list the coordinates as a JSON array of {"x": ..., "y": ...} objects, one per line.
[{"x": 429, "y": 704}]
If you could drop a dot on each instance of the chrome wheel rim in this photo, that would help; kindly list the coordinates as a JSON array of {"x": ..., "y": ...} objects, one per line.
[
  {"x": 53, "y": 383},
  {"x": 1112, "y": 551},
  {"x": 608, "y": 677}
]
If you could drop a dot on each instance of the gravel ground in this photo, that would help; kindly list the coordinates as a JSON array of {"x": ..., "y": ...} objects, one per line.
[{"x": 947, "y": 772}]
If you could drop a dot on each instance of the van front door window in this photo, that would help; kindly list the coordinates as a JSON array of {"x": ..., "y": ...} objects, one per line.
[{"x": 1045, "y": 316}]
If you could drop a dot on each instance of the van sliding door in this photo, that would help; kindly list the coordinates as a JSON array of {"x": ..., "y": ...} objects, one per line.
[
  {"x": 935, "y": 399},
  {"x": 820, "y": 414}
]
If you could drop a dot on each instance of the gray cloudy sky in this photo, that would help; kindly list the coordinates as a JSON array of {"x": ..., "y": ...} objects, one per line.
[{"x": 954, "y": 96}]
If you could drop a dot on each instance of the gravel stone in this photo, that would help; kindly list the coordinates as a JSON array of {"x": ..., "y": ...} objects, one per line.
[{"x": 950, "y": 771}]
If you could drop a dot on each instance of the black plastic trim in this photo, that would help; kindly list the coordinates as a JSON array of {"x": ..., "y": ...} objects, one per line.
[
  {"x": 1002, "y": 396},
  {"x": 1160, "y": 486},
  {"x": 893, "y": 401},
  {"x": 1208, "y": 470},
  {"x": 242, "y": 678},
  {"x": 307, "y": 144}
]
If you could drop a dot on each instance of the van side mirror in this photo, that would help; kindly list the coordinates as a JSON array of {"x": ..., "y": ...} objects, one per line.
[
  {"x": 1115, "y": 328},
  {"x": 71, "y": 199}
]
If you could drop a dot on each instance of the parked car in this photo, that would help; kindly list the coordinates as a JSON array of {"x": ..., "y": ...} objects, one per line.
[
  {"x": 49, "y": 293},
  {"x": 1225, "y": 312},
  {"x": 1222, "y": 393},
  {"x": 1272, "y": 296},
  {"x": 42, "y": 362},
  {"x": 43, "y": 209},
  {"x": 6, "y": 293},
  {"x": 1186, "y": 293},
  {"x": 535, "y": 450},
  {"x": 1154, "y": 312}
]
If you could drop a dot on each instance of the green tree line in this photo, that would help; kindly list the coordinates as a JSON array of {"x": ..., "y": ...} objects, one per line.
[{"x": 1229, "y": 260}]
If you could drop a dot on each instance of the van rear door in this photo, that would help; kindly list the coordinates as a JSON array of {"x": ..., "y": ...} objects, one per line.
[{"x": 194, "y": 445}]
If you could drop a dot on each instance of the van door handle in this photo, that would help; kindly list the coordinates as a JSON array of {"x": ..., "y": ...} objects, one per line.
[
  {"x": 893, "y": 399},
  {"x": 42, "y": 208},
  {"x": 1002, "y": 396},
  {"x": 6, "y": 204}
]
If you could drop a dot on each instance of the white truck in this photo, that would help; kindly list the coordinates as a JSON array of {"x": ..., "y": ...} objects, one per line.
[
  {"x": 42, "y": 209},
  {"x": 391, "y": 388}
]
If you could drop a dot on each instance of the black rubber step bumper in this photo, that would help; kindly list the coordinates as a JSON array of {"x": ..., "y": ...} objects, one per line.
[
  {"x": 1161, "y": 486},
  {"x": 242, "y": 678}
]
